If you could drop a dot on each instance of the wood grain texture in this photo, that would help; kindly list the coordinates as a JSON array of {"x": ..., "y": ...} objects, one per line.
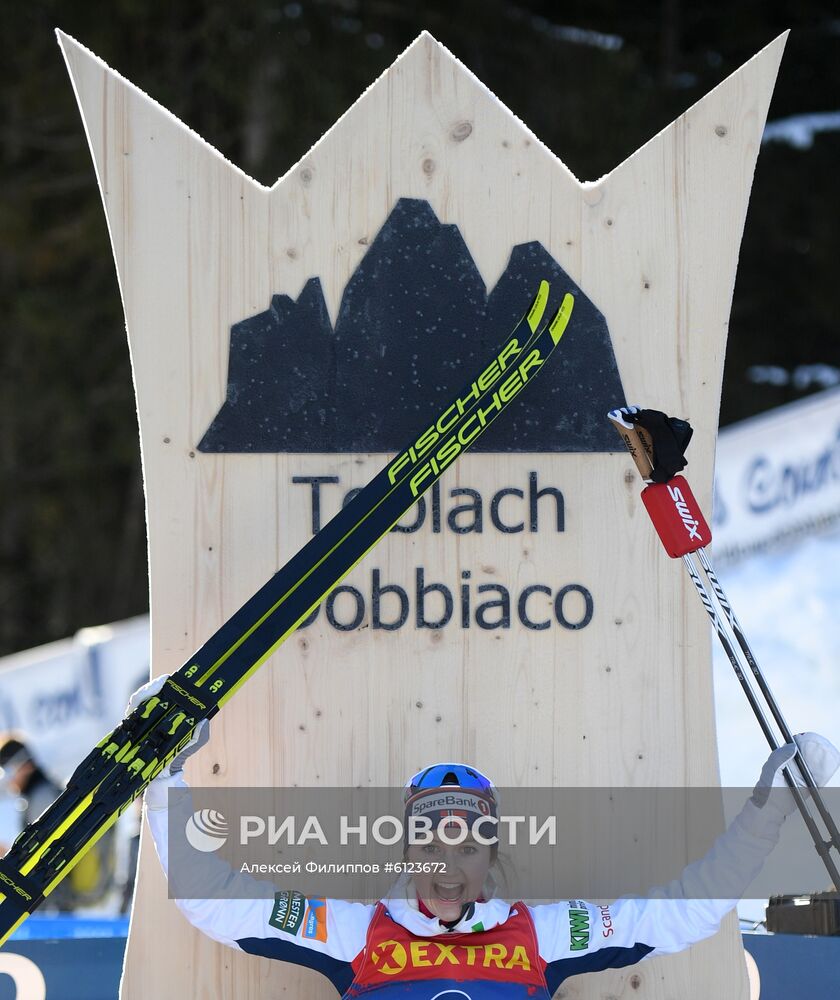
[{"x": 627, "y": 700}]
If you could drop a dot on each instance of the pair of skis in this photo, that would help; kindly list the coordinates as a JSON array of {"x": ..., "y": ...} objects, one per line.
[
  {"x": 683, "y": 530},
  {"x": 123, "y": 763}
]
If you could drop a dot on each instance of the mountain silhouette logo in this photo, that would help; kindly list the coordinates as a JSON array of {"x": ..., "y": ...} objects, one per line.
[{"x": 415, "y": 322}]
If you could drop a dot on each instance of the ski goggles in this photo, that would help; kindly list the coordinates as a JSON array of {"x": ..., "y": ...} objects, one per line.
[
  {"x": 444, "y": 775},
  {"x": 448, "y": 794}
]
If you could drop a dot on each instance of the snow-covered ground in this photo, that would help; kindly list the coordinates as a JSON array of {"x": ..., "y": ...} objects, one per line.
[{"x": 789, "y": 605}]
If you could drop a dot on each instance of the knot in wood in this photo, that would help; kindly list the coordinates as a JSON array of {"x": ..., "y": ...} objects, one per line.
[{"x": 461, "y": 131}]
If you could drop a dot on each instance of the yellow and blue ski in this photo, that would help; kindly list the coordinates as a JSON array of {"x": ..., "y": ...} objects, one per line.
[{"x": 123, "y": 763}]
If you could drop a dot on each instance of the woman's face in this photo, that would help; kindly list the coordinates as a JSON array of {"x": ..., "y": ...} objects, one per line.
[{"x": 446, "y": 892}]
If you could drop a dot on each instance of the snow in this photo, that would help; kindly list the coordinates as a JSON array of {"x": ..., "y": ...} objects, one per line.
[
  {"x": 799, "y": 130},
  {"x": 577, "y": 36},
  {"x": 787, "y": 602}
]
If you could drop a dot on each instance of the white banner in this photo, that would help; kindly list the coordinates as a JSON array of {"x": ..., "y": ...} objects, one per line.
[
  {"x": 65, "y": 696},
  {"x": 777, "y": 476}
]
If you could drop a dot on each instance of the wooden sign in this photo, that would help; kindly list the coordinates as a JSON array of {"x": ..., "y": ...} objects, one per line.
[{"x": 285, "y": 339}]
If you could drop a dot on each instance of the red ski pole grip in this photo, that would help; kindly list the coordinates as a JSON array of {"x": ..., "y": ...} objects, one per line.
[{"x": 677, "y": 517}]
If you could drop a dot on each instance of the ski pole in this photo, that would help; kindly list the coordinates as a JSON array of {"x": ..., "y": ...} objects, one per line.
[
  {"x": 683, "y": 532},
  {"x": 741, "y": 638},
  {"x": 823, "y": 847}
]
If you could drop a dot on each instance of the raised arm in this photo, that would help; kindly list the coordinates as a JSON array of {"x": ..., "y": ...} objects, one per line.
[
  {"x": 249, "y": 915},
  {"x": 577, "y": 937}
]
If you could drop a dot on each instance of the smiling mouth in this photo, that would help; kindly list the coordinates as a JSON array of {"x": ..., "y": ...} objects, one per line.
[{"x": 448, "y": 892}]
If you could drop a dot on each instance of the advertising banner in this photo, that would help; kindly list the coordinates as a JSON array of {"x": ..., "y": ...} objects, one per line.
[{"x": 777, "y": 477}]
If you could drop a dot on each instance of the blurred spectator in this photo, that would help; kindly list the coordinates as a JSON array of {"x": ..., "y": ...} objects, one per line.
[
  {"x": 92, "y": 877},
  {"x": 22, "y": 776}
]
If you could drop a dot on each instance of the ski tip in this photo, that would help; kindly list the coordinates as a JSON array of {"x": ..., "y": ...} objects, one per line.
[
  {"x": 535, "y": 313},
  {"x": 561, "y": 317}
]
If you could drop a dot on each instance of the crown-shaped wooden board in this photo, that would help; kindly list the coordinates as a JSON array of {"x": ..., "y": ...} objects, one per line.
[{"x": 285, "y": 339}]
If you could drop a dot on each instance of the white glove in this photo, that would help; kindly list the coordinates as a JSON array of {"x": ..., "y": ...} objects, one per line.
[
  {"x": 822, "y": 758},
  {"x": 201, "y": 733},
  {"x": 621, "y": 414},
  {"x": 728, "y": 869}
]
